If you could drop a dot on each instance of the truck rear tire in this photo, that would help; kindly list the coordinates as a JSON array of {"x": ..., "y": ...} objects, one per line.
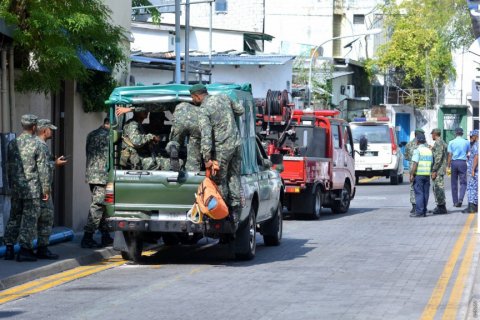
[
  {"x": 316, "y": 203},
  {"x": 245, "y": 240},
  {"x": 342, "y": 205},
  {"x": 134, "y": 245},
  {"x": 273, "y": 229}
]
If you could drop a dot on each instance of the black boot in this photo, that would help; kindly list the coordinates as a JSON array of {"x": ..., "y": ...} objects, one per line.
[
  {"x": 468, "y": 209},
  {"x": 413, "y": 208},
  {"x": 106, "y": 239},
  {"x": 44, "y": 253},
  {"x": 474, "y": 208},
  {"x": 440, "y": 209},
  {"x": 235, "y": 216},
  {"x": 9, "y": 252},
  {"x": 88, "y": 242},
  {"x": 26, "y": 255}
]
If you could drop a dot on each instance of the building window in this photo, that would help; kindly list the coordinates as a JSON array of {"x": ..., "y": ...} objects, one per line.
[
  {"x": 221, "y": 6},
  {"x": 358, "y": 19}
]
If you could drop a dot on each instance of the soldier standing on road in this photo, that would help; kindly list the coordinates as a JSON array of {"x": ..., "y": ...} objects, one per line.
[
  {"x": 186, "y": 124},
  {"x": 18, "y": 183},
  {"x": 136, "y": 143},
  {"x": 96, "y": 176},
  {"x": 472, "y": 186},
  {"x": 45, "y": 220},
  {"x": 420, "y": 170},
  {"x": 457, "y": 160},
  {"x": 409, "y": 148},
  {"x": 221, "y": 141},
  {"x": 28, "y": 175},
  {"x": 439, "y": 151}
]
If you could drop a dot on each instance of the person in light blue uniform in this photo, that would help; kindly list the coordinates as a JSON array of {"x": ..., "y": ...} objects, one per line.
[
  {"x": 457, "y": 160},
  {"x": 421, "y": 168},
  {"x": 472, "y": 186}
]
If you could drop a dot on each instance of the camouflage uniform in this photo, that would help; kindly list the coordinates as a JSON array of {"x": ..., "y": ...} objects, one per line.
[
  {"x": 29, "y": 178},
  {"x": 409, "y": 148},
  {"x": 136, "y": 143},
  {"x": 221, "y": 141},
  {"x": 439, "y": 151},
  {"x": 96, "y": 176},
  {"x": 186, "y": 124},
  {"x": 45, "y": 220}
]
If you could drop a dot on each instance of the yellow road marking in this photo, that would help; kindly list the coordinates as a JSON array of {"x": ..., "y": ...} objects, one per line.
[
  {"x": 437, "y": 294},
  {"x": 57, "y": 279},
  {"x": 368, "y": 179},
  {"x": 458, "y": 288}
]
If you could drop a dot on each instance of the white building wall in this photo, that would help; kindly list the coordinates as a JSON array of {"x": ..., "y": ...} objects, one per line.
[{"x": 275, "y": 77}]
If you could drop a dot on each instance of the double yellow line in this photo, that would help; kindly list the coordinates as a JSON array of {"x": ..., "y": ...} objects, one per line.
[
  {"x": 438, "y": 293},
  {"x": 58, "y": 279}
]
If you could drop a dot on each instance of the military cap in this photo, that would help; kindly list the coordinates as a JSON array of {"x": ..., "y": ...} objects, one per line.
[
  {"x": 474, "y": 133},
  {"x": 198, "y": 88},
  {"x": 45, "y": 123},
  {"x": 29, "y": 119},
  {"x": 437, "y": 131},
  {"x": 421, "y": 138},
  {"x": 419, "y": 130},
  {"x": 459, "y": 131}
]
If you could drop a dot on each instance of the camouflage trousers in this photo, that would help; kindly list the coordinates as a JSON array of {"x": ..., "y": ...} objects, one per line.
[
  {"x": 96, "y": 213},
  {"x": 13, "y": 225},
  {"x": 439, "y": 190},
  {"x": 228, "y": 177},
  {"x": 412, "y": 194},
  {"x": 36, "y": 220},
  {"x": 194, "y": 156},
  {"x": 472, "y": 189}
]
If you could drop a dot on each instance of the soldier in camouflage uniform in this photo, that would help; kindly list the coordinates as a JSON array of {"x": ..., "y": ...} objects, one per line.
[
  {"x": 409, "y": 148},
  {"x": 28, "y": 176},
  {"x": 186, "y": 124},
  {"x": 137, "y": 152},
  {"x": 45, "y": 220},
  {"x": 221, "y": 141},
  {"x": 439, "y": 151},
  {"x": 96, "y": 176}
]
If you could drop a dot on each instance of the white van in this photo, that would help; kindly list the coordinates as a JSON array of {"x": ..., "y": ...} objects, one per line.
[{"x": 378, "y": 151}]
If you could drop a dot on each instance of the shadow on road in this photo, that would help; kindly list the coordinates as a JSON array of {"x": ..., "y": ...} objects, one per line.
[
  {"x": 209, "y": 251},
  {"x": 326, "y": 214},
  {"x": 9, "y": 314}
]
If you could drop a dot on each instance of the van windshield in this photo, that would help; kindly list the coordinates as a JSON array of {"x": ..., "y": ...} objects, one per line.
[{"x": 374, "y": 134}]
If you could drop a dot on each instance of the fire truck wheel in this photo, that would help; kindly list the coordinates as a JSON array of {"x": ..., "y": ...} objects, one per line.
[
  {"x": 342, "y": 205},
  {"x": 317, "y": 204}
]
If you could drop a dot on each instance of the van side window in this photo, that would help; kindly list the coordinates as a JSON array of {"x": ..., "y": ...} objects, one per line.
[
  {"x": 347, "y": 134},
  {"x": 336, "y": 136}
]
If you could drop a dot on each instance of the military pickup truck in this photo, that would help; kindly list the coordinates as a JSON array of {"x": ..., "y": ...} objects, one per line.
[{"x": 146, "y": 205}]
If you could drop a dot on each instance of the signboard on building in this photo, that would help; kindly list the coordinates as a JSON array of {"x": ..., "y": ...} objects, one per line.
[{"x": 451, "y": 121}]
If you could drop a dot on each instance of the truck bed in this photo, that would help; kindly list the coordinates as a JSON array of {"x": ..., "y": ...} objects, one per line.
[{"x": 303, "y": 170}]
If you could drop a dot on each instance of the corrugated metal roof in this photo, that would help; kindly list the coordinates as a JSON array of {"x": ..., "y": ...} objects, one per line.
[
  {"x": 90, "y": 62},
  {"x": 149, "y": 60},
  {"x": 243, "y": 59}
]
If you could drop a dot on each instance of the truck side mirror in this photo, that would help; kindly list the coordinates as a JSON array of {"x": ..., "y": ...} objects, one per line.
[{"x": 276, "y": 158}]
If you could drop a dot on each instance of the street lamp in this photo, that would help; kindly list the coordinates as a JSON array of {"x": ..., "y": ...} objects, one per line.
[{"x": 366, "y": 33}]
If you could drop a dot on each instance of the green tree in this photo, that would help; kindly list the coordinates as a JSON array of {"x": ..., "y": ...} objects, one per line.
[
  {"x": 47, "y": 37},
  {"x": 154, "y": 12},
  {"x": 422, "y": 34}
]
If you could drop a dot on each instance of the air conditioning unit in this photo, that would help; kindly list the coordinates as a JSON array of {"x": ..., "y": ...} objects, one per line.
[{"x": 350, "y": 91}]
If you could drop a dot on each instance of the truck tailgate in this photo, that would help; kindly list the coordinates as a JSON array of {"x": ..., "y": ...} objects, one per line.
[
  {"x": 294, "y": 169},
  {"x": 160, "y": 191},
  {"x": 305, "y": 169}
]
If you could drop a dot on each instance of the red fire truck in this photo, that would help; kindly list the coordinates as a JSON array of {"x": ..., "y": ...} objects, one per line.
[{"x": 318, "y": 156}]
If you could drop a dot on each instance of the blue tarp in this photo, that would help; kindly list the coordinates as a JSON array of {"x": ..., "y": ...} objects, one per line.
[{"x": 90, "y": 62}]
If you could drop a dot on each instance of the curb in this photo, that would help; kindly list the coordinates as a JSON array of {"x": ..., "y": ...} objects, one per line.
[
  {"x": 56, "y": 267},
  {"x": 473, "y": 294}
]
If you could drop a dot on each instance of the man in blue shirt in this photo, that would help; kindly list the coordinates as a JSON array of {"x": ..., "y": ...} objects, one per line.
[{"x": 457, "y": 161}]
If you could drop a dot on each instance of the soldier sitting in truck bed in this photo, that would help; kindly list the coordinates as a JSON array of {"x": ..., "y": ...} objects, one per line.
[{"x": 137, "y": 152}]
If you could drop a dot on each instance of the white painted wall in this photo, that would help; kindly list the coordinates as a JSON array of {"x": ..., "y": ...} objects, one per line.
[{"x": 273, "y": 77}]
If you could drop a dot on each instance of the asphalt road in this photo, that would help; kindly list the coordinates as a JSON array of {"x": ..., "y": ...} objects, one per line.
[{"x": 372, "y": 263}]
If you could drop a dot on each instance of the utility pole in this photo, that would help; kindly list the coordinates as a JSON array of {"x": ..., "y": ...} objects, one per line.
[
  {"x": 187, "y": 40},
  {"x": 177, "y": 43}
]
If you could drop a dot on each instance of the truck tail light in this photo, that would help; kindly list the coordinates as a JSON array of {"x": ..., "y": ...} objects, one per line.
[
  {"x": 109, "y": 193},
  {"x": 392, "y": 139}
]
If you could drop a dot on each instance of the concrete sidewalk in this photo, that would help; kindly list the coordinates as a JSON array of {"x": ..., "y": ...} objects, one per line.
[{"x": 13, "y": 273}]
